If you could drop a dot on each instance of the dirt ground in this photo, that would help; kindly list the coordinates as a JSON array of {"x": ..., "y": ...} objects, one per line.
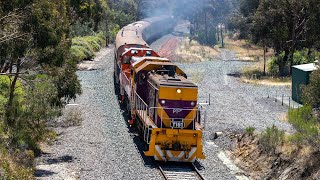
[{"x": 288, "y": 161}]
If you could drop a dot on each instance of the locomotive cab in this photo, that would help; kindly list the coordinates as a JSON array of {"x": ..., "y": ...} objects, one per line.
[{"x": 173, "y": 99}]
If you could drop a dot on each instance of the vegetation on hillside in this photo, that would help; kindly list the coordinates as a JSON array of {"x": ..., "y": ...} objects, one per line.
[
  {"x": 284, "y": 26},
  {"x": 41, "y": 43}
]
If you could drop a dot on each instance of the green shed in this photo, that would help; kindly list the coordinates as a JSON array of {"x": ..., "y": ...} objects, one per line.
[{"x": 300, "y": 76}]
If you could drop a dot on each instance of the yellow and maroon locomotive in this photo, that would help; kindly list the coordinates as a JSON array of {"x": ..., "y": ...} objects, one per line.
[{"x": 162, "y": 102}]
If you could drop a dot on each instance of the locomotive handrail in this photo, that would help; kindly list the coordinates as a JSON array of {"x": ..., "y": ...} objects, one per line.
[
  {"x": 126, "y": 84},
  {"x": 140, "y": 105},
  {"x": 196, "y": 115},
  {"x": 204, "y": 99}
]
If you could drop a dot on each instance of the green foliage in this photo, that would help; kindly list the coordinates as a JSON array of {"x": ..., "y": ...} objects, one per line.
[
  {"x": 273, "y": 66},
  {"x": 271, "y": 138},
  {"x": 210, "y": 40},
  {"x": 274, "y": 24},
  {"x": 253, "y": 73},
  {"x": 88, "y": 15},
  {"x": 250, "y": 130},
  {"x": 83, "y": 48},
  {"x": 10, "y": 169},
  {"x": 67, "y": 84},
  {"x": 78, "y": 52},
  {"x": 114, "y": 30},
  {"x": 306, "y": 125},
  {"x": 4, "y": 94},
  {"x": 37, "y": 109},
  {"x": 299, "y": 57},
  {"x": 310, "y": 93},
  {"x": 81, "y": 29},
  {"x": 303, "y": 56}
]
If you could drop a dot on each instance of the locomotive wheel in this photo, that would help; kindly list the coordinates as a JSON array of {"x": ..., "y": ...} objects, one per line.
[
  {"x": 116, "y": 85},
  {"x": 128, "y": 105}
]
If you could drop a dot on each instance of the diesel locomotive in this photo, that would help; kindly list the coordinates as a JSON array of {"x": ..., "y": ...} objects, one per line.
[{"x": 163, "y": 104}]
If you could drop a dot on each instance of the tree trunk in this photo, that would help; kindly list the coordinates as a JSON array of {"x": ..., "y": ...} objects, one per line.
[
  {"x": 264, "y": 59},
  {"x": 291, "y": 61},
  {"x": 282, "y": 64},
  {"x": 206, "y": 26},
  {"x": 9, "y": 110}
]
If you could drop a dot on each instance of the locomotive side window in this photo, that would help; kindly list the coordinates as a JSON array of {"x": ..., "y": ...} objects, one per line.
[
  {"x": 142, "y": 78},
  {"x": 134, "y": 52},
  {"x": 126, "y": 60}
]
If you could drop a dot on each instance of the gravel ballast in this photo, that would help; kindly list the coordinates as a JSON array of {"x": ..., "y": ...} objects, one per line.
[{"x": 102, "y": 146}]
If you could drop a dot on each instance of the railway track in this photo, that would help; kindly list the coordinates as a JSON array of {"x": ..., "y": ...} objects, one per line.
[{"x": 179, "y": 171}]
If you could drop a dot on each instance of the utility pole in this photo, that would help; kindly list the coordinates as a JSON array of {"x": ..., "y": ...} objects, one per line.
[
  {"x": 218, "y": 33},
  {"x": 264, "y": 59},
  {"x": 221, "y": 31}
]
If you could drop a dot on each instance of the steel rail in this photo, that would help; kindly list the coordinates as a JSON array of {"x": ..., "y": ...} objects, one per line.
[{"x": 188, "y": 172}]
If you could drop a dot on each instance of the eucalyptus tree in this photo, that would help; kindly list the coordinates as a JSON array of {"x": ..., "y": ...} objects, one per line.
[{"x": 34, "y": 37}]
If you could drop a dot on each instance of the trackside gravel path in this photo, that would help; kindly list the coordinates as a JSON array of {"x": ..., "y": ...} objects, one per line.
[{"x": 102, "y": 147}]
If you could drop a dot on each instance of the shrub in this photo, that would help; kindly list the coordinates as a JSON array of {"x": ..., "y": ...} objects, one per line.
[
  {"x": 94, "y": 42},
  {"x": 271, "y": 138},
  {"x": 84, "y": 47},
  {"x": 78, "y": 53},
  {"x": 73, "y": 118},
  {"x": 273, "y": 66},
  {"x": 81, "y": 29},
  {"x": 310, "y": 93},
  {"x": 36, "y": 111},
  {"x": 114, "y": 31},
  {"x": 303, "y": 57},
  {"x": 299, "y": 57},
  {"x": 252, "y": 73},
  {"x": 250, "y": 130},
  {"x": 306, "y": 124}
]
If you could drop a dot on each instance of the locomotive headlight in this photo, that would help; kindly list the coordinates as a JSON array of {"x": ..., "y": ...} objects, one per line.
[
  {"x": 163, "y": 102},
  {"x": 178, "y": 91},
  {"x": 192, "y": 103}
]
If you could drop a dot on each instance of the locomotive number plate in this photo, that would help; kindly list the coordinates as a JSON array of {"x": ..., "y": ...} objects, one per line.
[{"x": 177, "y": 124}]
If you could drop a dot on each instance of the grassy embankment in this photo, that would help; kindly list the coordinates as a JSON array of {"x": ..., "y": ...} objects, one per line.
[
  {"x": 274, "y": 153},
  {"x": 254, "y": 73},
  {"x": 190, "y": 52},
  {"x": 193, "y": 52},
  {"x": 84, "y": 48}
]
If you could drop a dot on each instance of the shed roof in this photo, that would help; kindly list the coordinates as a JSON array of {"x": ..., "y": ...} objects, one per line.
[{"x": 307, "y": 67}]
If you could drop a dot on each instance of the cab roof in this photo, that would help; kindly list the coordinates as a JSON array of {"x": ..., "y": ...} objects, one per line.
[{"x": 176, "y": 81}]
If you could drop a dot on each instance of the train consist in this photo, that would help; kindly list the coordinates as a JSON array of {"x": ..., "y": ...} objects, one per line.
[{"x": 162, "y": 102}]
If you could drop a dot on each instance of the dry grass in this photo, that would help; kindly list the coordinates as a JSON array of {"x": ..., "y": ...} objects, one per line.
[
  {"x": 268, "y": 82},
  {"x": 195, "y": 76},
  {"x": 11, "y": 166},
  {"x": 246, "y": 51},
  {"x": 194, "y": 52},
  {"x": 254, "y": 74},
  {"x": 73, "y": 118},
  {"x": 284, "y": 117}
]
